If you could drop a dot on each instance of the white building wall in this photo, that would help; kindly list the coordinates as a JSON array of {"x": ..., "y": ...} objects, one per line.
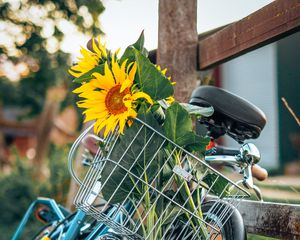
[{"x": 253, "y": 76}]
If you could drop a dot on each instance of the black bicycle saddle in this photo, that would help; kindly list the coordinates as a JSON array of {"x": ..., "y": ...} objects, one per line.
[{"x": 233, "y": 115}]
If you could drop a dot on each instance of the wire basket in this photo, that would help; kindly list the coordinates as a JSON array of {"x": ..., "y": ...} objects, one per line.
[{"x": 151, "y": 188}]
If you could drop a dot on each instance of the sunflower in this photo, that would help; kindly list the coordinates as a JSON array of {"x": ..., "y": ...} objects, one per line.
[
  {"x": 110, "y": 99},
  {"x": 89, "y": 60},
  {"x": 169, "y": 99}
]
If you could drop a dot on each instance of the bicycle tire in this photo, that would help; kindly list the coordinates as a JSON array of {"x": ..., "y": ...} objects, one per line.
[
  {"x": 230, "y": 224},
  {"x": 233, "y": 228}
]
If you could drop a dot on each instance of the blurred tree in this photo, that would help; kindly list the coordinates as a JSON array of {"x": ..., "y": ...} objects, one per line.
[{"x": 31, "y": 36}]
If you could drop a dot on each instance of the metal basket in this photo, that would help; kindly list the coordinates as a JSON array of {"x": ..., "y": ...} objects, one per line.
[{"x": 128, "y": 172}]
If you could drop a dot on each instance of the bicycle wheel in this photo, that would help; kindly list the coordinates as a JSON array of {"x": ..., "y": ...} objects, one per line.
[
  {"x": 233, "y": 228},
  {"x": 225, "y": 218}
]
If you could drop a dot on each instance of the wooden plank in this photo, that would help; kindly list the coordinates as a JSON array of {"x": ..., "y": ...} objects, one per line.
[
  {"x": 270, "y": 23},
  {"x": 18, "y": 126},
  {"x": 271, "y": 219},
  {"x": 177, "y": 44}
]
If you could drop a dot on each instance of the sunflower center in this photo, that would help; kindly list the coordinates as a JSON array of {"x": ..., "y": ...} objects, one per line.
[{"x": 114, "y": 100}]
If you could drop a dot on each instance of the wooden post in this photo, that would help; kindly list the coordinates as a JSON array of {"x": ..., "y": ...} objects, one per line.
[
  {"x": 43, "y": 138},
  {"x": 45, "y": 124},
  {"x": 177, "y": 44}
]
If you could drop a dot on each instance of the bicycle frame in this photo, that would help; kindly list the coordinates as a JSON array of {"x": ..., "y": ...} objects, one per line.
[
  {"x": 71, "y": 229},
  {"x": 54, "y": 207}
]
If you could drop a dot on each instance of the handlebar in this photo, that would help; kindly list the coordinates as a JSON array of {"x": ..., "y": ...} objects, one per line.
[
  {"x": 230, "y": 156},
  {"x": 225, "y": 151}
]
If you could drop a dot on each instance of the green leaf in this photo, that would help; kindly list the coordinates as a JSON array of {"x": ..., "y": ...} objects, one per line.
[
  {"x": 177, "y": 124},
  {"x": 130, "y": 50},
  {"x": 219, "y": 185},
  {"x": 135, "y": 152},
  {"x": 178, "y": 127},
  {"x": 129, "y": 54},
  {"x": 88, "y": 75},
  {"x": 151, "y": 80},
  {"x": 139, "y": 44},
  {"x": 158, "y": 113},
  {"x": 194, "y": 142},
  {"x": 171, "y": 213},
  {"x": 198, "y": 111}
]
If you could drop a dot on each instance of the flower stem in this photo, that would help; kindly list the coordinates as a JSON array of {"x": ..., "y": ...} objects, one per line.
[{"x": 192, "y": 206}]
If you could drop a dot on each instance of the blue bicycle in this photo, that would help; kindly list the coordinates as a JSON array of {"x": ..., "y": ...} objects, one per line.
[{"x": 119, "y": 201}]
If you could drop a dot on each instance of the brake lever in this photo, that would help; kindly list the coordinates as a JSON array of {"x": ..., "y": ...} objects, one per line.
[
  {"x": 254, "y": 187},
  {"x": 258, "y": 193},
  {"x": 248, "y": 179},
  {"x": 248, "y": 182}
]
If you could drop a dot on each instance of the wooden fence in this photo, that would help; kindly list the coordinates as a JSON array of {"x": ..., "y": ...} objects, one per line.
[
  {"x": 269, "y": 24},
  {"x": 271, "y": 219}
]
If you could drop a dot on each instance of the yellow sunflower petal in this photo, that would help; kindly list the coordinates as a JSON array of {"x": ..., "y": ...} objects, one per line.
[
  {"x": 102, "y": 48},
  {"x": 108, "y": 75},
  {"x": 93, "y": 95},
  {"x": 127, "y": 101},
  {"x": 111, "y": 124},
  {"x": 101, "y": 107},
  {"x": 99, "y": 125},
  {"x": 85, "y": 53},
  {"x": 117, "y": 70},
  {"x": 132, "y": 113},
  {"x": 170, "y": 100},
  {"x": 126, "y": 84},
  {"x": 117, "y": 51},
  {"x": 122, "y": 122},
  {"x": 83, "y": 88},
  {"x": 90, "y": 104},
  {"x": 95, "y": 115},
  {"x": 95, "y": 47},
  {"x": 89, "y": 59},
  {"x": 132, "y": 72},
  {"x": 164, "y": 71},
  {"x": 123, "y": 72},
  {"x": 138, "y": 95},
  {"x": 102, "y": 82},
  {"x": 74, "y": 74}
]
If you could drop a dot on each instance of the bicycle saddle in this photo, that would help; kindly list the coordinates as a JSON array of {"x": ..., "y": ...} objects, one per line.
[{"x": 233, "y": 115}]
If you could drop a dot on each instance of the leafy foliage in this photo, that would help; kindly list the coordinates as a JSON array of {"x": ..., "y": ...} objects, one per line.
[
  {"x": 19, "y": 189},
  {"x": 129, "y": 158},
  {"x": 16, "y": 193},
  {"x": 33, "y": 36},
  {"x": 178, "y": 128},
  {"x": 151, "y": 80},
  {"x": 57, "y": 185},
  {"x": 220, "y": 185}
]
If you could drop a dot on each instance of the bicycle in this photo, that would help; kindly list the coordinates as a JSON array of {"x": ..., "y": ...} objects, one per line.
[{"x": 125, "y": 219}]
